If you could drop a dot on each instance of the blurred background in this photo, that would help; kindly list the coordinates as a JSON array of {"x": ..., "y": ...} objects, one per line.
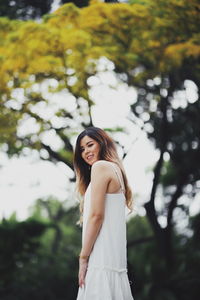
[{"x": 133, "y": 69}]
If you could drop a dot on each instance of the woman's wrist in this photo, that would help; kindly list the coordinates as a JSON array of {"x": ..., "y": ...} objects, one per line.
[{"x": 83, "y": 257}]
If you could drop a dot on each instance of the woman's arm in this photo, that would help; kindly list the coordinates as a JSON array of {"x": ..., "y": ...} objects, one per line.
[{"x": 99, "y": 182}]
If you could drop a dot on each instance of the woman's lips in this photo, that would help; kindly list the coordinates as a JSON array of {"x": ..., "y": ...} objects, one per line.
[{"x": 90, "y": 156}]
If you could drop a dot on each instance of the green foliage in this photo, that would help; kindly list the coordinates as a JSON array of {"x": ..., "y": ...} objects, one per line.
[
  {"x": 143, "y": 40},
  {"x": 19, "y": 243},
  {"x": 39, "y": 255},
  {"x": 32, "y": 267},
  {"x": 148, "y": 274}
]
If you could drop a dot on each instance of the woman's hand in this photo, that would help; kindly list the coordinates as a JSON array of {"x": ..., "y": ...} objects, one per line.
[{"x": 83, "y": 263}]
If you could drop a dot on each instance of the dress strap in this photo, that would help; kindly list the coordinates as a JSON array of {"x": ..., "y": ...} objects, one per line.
[{"x": 119, "y": 178}]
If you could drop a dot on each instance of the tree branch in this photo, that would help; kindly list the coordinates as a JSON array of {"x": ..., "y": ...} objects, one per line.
[
  {"x": 150, "y": 206},
  {"x": 175, "y": 197},
  {"x": 57, "y": 156}
]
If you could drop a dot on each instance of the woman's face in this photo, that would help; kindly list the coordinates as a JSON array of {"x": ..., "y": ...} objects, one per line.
[{"x": 89, "y": 150}]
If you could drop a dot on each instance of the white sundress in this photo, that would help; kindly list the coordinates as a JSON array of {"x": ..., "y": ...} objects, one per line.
[{"x": 106, "y": 277}]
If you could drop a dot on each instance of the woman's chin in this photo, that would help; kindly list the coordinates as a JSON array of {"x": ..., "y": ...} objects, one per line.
[{"x": 92, "y": 162}]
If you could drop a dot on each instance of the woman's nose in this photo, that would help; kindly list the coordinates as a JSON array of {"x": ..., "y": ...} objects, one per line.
[{"x": 86, "y": 150}]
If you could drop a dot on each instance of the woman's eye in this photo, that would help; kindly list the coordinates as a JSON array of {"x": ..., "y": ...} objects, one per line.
[{"x": 82, "y": 149}]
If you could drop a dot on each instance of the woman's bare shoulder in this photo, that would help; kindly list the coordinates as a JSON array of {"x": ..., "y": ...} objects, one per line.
[{"x": 104, "y": 164}]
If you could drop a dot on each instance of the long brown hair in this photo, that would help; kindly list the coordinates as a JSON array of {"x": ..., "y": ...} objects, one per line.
[{"x": 107, "y": 152}]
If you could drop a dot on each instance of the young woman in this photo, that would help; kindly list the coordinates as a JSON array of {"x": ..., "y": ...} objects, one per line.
[{"x": 102, "y": 180}]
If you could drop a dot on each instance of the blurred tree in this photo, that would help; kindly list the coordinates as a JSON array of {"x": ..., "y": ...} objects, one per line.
[
  {"x": 31, "y": 9},
  {"x": 55, "y": 65},
  {"x": 169, "y": 112},
  {"x": 20, "y": 9},
  {"x": 148, "y": 275},
  {"x": 18, "y": 245},
  {"x": 30, "y": 268},
  {"x": 34, "y": 263},
  {"x": 59, "y": 216},
  {"x": 49, "y": 72}
]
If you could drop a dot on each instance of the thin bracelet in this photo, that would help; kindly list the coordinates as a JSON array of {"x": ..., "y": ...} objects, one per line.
[{"x": 83, "y": 256}]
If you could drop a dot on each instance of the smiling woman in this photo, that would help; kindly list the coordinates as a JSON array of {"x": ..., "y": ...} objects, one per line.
[{"x": 102, "y": 180}]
